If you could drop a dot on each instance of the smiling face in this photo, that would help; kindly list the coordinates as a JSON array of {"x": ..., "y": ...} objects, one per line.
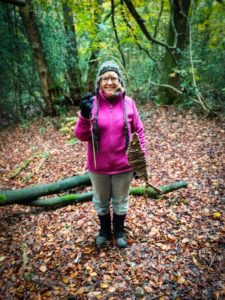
[{"x": 110, "y": 83}]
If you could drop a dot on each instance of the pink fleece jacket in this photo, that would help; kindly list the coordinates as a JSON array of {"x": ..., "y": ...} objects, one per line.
[{"x": 112, "y": 157}]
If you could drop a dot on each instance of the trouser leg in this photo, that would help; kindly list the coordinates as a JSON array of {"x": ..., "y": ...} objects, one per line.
[
  {"x": 120, "y": 200},
  {"x": 120, "y": 192},
  {"x": 101, "y": 192},
  {"x": 101, "y": 200},
  {"x": 116, "y": 187}
]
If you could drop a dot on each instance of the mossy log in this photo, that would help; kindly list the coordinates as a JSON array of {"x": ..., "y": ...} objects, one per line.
[
  {"x": 85, "y": 197},
  {"x": 35, "y": 191}
]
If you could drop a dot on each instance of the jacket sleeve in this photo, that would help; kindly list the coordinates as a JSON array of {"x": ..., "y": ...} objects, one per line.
[
  {"x": 138, "y": 127},
  {"x": 83, "y": 129}
]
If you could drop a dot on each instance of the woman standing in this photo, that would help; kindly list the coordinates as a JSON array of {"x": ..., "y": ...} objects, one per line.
[{"x": 107, "y": 121}]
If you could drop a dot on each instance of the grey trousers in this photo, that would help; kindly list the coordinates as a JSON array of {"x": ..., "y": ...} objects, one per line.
[{"x": 107, "y": 188}]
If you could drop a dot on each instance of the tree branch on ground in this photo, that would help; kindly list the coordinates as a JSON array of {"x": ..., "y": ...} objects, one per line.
[{"x": 30, "y": 196}]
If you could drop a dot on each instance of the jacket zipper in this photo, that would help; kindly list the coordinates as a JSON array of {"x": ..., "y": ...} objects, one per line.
[{"x": 111, "y": 109}]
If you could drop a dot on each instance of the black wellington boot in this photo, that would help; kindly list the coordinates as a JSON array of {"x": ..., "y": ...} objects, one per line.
[
  {"x": 118, "y": 230},
  {"x": 105, "y": 232}
]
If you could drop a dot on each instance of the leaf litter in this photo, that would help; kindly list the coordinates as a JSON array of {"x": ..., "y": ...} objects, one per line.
[{"x": 176, "y": 244}]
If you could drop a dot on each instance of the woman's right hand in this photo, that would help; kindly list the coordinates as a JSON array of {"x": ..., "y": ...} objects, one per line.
[{"x": 86, "y": 105}]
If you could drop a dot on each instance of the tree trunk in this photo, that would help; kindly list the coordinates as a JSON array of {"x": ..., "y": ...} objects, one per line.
[
  {"x": 92, "y": 71},
  {"x": 95, "y": 49},
  {"x": 178, "y": 35},
  {"x": 28, "y": 16},
  {"x": 75, "y": 82},
  {"x": 30, "y": 195}
]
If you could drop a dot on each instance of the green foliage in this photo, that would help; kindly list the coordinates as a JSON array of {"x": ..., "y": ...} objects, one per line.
[
  {"x": 71, "y": 142},
  {"x": 18, "y": 75},
  {"x": 67, "y": 129},
  {"x": 24, "y": 124},
  {"x": 51, "y": 26},
  {"x": 208, "y": 59},
  {"x": 42, "y": 130},
  {"x": 94, "y": 34}
]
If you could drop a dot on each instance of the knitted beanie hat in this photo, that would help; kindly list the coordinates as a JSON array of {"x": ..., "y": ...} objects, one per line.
[{"x": 107, "y": 67}]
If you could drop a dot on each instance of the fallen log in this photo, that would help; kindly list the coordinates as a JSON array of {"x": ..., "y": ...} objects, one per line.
[
  {"x": 35, "y": 191},
  {"x": 151, "y": 192},
  {"x": 64, "y": 200}
]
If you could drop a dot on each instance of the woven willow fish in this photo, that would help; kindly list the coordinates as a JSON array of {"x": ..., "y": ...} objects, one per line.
[{"x": 137, "y": 160}]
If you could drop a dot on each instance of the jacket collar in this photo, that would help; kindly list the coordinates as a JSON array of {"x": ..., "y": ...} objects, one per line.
[{"x": 104, "y": 98}]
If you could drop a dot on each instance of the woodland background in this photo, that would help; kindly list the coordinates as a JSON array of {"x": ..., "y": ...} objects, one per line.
[{"x": 171, "y": 54}]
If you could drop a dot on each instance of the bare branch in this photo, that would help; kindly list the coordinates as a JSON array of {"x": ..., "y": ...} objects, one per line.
[
  {"x": 135, "y": 37},
  {"x": 108, "y": 15},
  {"x": 142, "y": 26},
  {"x": 220, "y": 1},
  {"x": 159, "y": 17},
  {"x": 166, "y": 86},
  {"x": 116, "y": 33}
]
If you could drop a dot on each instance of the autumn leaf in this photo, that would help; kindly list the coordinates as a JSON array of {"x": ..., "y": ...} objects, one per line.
[
  {"x": 171, "y": 238},
  {"x": 104, "y": 285},
  {"x": 79, "y": 292},
  {"x": 65, "y": 280},
  {"x": 148, "y": 289},
  {"x": 185, "y": 241},
  {"x": 96, "y": 294},
  {"x": 2, "y": 258},
  {"x": 217, "y": 215},
  {"x": 88, "y": 250},
  {"x": 73, "y": 275},
  {"x": 111, "y": 289},
  {"x": 195, "y": 261},
  {"x": 47, "y": 294},
  {"x": 43, "y": 268},
  {"x": 180, "y": 279}
]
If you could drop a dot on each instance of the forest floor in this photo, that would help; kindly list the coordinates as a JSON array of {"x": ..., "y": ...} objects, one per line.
[{"x": 176, "y": 244}]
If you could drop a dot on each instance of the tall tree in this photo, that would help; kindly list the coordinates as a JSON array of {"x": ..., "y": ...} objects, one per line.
[
  {"x": 74, "y": 73},
  {"x": 30, "y": 24},
  {"x": 178, "y": 33},
  {"x": 95, "y": 48},
  {"x": 176, "y": 41}
]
